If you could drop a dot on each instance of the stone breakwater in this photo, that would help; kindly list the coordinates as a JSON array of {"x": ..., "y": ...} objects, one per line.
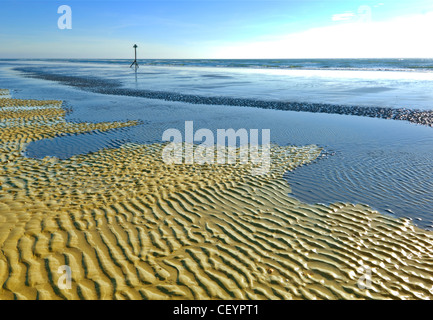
[{"x": 423, "y": 117}]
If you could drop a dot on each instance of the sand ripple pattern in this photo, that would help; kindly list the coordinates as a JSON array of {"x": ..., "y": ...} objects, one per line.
[
  {"x": 394, "y": 182},
  {"x": 4, "y": 93},
  {"x": 131, "y": 227}
]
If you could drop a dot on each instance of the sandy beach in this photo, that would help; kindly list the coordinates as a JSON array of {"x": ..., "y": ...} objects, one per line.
[{"x": 130, "y": 226}]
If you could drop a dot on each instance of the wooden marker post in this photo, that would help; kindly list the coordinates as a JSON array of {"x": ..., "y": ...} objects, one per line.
[{"x": 135, "y": 61}]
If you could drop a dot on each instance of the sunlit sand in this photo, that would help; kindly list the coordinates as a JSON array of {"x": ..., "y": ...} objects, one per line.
[{"x": 130, "y": 226}]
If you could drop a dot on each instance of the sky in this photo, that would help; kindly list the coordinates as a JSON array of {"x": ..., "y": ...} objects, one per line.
[{"x": 217, "y": 29}]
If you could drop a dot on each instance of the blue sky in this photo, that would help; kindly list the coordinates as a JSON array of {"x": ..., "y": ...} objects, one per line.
[{"x": 218, "y": 29}]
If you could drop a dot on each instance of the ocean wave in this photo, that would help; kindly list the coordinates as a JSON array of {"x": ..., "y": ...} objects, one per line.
[{"x": 401, "y": 65}]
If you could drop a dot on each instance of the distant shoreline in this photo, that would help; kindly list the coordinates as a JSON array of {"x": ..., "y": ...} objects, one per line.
[{"x": 358, "y": 64}]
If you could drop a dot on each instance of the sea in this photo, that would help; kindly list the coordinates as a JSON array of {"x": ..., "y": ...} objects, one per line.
[{"x": 379, "y": 161}]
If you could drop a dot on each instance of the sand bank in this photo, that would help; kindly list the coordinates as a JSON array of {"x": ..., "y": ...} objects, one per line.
[
  {"x": 406, "y": 113},
  {"x": 130, "y": 226}
]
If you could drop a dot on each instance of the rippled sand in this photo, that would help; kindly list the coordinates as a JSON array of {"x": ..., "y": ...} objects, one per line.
[
  {"x": 4, "y": 93},
  {"x": 130, "y": 226}
]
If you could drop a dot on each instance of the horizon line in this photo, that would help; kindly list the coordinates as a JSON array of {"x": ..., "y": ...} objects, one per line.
[{"x": 309, "y": 58}]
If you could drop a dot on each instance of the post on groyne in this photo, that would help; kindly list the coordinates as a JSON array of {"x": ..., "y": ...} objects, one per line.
[{"x": 135, "y": 61}]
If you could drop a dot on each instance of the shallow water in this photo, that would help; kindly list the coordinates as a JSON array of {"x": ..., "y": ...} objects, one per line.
[
  {"x": 189, "y": 232},
  {"x": 383, "y": 163},
  {"x": 346, "y": 86}
]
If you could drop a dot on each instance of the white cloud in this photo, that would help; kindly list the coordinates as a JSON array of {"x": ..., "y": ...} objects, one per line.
[
  {"x": 343, "y": 16},
  {"x": 404, "y": 37}
]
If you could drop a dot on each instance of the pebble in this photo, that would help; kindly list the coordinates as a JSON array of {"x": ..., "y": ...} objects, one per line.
[{"x": 423, "y": 117}]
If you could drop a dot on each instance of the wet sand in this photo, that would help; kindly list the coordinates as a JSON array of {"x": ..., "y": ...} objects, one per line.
[
  {"x": 111, "y": 87},
  {"x": 132, "y": 227},
  {"x": 4, "y": 93}
]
